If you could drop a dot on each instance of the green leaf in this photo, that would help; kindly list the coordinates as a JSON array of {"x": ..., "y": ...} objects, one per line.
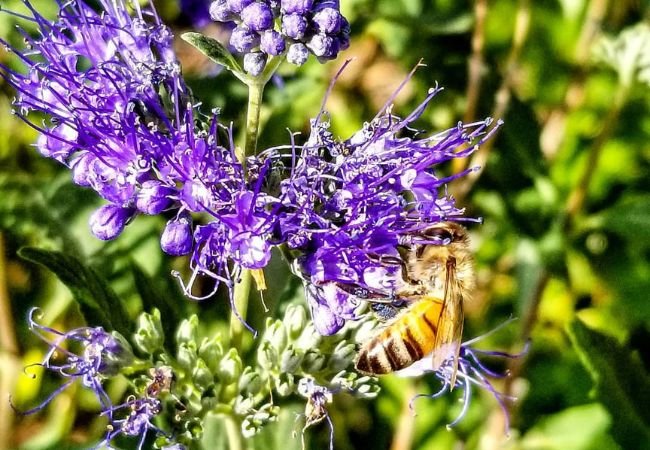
[
  {"x": 214, "y": 50},
  {"x": 630, "y": 219},
  {"x": 581, "y": 427},
  {"x": 621, "y": 384},
  {"x": 97, "y": 301}
]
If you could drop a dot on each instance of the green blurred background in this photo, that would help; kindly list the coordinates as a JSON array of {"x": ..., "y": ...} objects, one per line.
[{"x": 563, "y": 192}]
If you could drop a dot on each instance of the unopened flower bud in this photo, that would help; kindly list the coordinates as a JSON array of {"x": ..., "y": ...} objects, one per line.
[
  {"x": 188, "y": 330},
  {"x": 250, "y": 383},
  {"x": 186, "y": 355},
  {"x": 323, "y": 45},
  {"x": 297, "y": 54},
  {"x": 309, "y": 338},
  {"x": 202, "y": 375},
  {"x": 230, "y": 367},
  {"x": 285, "y": 384},
  {"x": 276, "y": 334},
  {"x": 220, "y": 12},
  {"x": 290, "y": 360},
  {"x": 149, "y": 336},
  {"x": 254, "y": 63},
  {"x": 176, "y": 239},
  {"x": 296, "y": 6},
  {"x": 313, "y": 362},
  {"x": 237, "y": 6},
  {"x": 295, "y": 319},
  {"x": 327, "y": 20},
  {"x": 243, "y": 39},
  {"x": 211, "y": 351},
  {"x": 109, "y": 221},
  {"x": 272, "y": 43},
  {"x": 342, "y": 356},
  {"x": 123, "y": 354},
  {"x": 153, "y": 197},
  {"x": 257, "y": 16},
  {"x": 267, "y": 356},
  {"x": 294, "y": 26}
]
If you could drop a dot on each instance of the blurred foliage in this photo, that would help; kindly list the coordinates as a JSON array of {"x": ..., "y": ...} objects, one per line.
[{"x": 563, "y": 192}]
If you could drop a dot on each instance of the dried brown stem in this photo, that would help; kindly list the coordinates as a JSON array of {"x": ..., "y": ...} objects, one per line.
[
  {"x": 502, "y": 97},
  {"x": 553, "y": 131},
  {"x": 403, "y": 439},
  {"x": 8, "y": 353},
  {"x": 476, "y": 61}
]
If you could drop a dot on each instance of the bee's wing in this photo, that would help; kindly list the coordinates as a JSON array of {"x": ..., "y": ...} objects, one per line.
[{"x": 450, "y": 324}]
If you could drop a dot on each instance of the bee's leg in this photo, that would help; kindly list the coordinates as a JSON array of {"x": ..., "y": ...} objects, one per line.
[
  {"x": 411, "y": 290},
  {"x": 388, "y": 261}
]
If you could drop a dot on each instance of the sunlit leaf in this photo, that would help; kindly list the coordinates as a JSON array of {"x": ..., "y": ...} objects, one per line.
[
  {"x": 577, "y": 428},
  {"x": 98, "y": 302},
  {"x": 214, "y": 50},
  {"x": 630, "y": 218},
  {"x": 621, "y": 384}
]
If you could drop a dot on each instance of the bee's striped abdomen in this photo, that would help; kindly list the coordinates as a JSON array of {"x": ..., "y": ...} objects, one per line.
[{"x": 403, "y": 342}]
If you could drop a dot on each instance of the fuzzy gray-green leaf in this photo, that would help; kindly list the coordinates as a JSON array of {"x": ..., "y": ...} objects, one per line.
[{"x": 214, "y": 50}]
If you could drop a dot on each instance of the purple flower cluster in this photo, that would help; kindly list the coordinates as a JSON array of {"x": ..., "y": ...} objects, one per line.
[
  {"x": 269, "y": 28},
  {"x": 86, "y": 354},
  {"x": 92, "y": 355},
  {"x": 120, "y": 117},
  {"x": 349, "y": 205},
  {"x": 98, "y": 78}
]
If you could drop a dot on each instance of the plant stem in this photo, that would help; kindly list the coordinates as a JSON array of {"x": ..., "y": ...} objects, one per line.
[
  {"x": 579, "y": 194},
  {"x": 255, "y": 92},
  {"x": 502, "y": 100},
  {"x": 9, "y": 358},
  {"x": 243, "y": 287},
  {"x": 240, "y": 304},
  {"x": 233, "y": 432}
]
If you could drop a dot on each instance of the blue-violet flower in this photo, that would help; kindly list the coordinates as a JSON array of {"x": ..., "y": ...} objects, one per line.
[
  {"x": 87, "y": 354},
  {"x": 348, "y": 205}
]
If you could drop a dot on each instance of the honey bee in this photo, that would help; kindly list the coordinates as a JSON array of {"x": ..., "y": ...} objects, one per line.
[{"x": 438, "y": 278}]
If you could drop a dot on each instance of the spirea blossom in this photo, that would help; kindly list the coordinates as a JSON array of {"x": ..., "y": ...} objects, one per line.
[
  {"x": 87, "y": 354},
  {"x": 269, "y": 28},
  {"x": 348, "y": 205}
]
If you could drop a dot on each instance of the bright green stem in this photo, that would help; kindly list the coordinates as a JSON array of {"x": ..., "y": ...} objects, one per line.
[
  {"x": 242, "y": 289},
  {"x": 255, "y": 92},
  {"x": 233, "y": 432},
  {"x": 241, "y": 294}
]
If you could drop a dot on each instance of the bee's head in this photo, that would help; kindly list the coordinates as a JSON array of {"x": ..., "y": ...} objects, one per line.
[{"x": 449, "y": 235}]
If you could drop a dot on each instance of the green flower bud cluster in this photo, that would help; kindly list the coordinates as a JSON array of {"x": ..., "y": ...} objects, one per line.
[
  {"x": 210, "y": 378},
  {"x": 291, "y": 349}
]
